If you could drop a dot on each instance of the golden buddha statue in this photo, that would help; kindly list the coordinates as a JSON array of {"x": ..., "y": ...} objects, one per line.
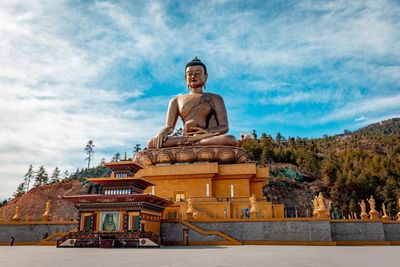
[
  {"x": 398, "y": 206},
  {"x": 203, "y": 114},
  {"x": 46, "y": 214},
  {"x": 190, "y": 206},
  {"x": 205, "y": 123},
  {"x": 363, "y": 207},
  {"x": 373, "y": 214},
  {"x": 16, "y": 214},
  {"x": 385, "y": 216},
  {"x": 315, "y": 207}
]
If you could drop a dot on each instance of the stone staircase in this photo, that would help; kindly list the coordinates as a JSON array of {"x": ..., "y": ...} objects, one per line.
[{"x": 230, "y": 240}]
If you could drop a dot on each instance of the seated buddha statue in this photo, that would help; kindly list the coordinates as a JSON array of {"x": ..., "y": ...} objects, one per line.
[{"x": 204, "y": 116}]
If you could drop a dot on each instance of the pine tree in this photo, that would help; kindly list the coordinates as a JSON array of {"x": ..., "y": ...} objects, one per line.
[
  {"x": 89, "y": 150},
  {"x": 66, "y": 174},
  {"x": 28, "y": 177},
  {"x": 20, "y": 190},
  {"x": 55, "y": 176},
  {"x": 41, "y": 177},
  {"x": 136, "y": 149}
]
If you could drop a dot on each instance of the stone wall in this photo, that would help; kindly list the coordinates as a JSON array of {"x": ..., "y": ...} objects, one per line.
[
  {"x": 273, "y": 231},
  {"x": 296, "y": 230},
  {"x": 31, "y": 232},
  {"x": 357, "y": 231},
  {"x": 391, "y": 231},
  {"x": 172, "y": 233}
]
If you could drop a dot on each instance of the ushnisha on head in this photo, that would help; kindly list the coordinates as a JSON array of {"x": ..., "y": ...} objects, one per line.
[{"x": 196, "y": 74}]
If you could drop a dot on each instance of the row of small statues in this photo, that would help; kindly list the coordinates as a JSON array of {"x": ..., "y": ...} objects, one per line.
[
  {"x": 45, "y": 216},
  {"x": 320, "y": 210}
]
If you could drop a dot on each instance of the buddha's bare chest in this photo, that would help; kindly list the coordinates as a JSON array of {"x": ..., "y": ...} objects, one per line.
[{"x": 198, "y": 105}]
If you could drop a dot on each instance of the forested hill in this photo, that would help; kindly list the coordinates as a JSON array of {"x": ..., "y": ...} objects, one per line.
[
  {"x": 387, "y": 127},
  {"x": 346, "y": 167}
]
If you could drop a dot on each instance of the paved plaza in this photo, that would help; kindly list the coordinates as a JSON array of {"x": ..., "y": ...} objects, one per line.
[{"x": 282, "y": 256}]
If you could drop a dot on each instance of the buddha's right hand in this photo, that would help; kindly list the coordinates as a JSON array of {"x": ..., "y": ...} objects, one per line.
[{"x": 161, "y": 137}]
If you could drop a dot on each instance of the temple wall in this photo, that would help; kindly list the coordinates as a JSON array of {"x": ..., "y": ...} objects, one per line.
[
  {"x": 302, "y": 231},
  {"x": 31, "y": 232},
  {"x": 256, "y": 188},
  {"x": 166, "y": 188},
  {"x": 273, "y": 230},
  {"x": 358, "y": 231},
  {"x": 172, "y": 234},
  {"x": 222, "y": 188},
  {"x": 391, "y": 231}
]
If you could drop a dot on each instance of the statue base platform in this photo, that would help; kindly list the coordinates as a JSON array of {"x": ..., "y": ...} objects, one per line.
[
  {"x": 188, "y": 154},
  {"x": 45, "y": 218},
  {"x": 373, "y": 215},
  {"x": 208, "y": 191},
  {"x": 323, "y": 214}
]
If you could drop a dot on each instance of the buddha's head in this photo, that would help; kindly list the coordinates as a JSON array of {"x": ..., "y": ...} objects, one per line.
[{"x": 196, "y": 73}]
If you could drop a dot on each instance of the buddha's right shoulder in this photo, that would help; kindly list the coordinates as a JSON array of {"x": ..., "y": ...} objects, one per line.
[{"x": 175, "y": 98}]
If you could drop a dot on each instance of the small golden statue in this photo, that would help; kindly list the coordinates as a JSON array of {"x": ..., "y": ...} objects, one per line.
[
  {"x": 315, "y": 206},
  {"x": 321, "y": 202},
  {"x": 46, "y": 214},
  {"x": 16, "y": 215},
  {"x": 363, "y": 206},
  {"x": 385, "y": 217},
  {"x": 190, "y": 210},
  {"x": 253, "y": 206},
  {"x": 373, "y": 214},
  {"x": 322, "y": 212},
  {"x": 398, "y": 206}
]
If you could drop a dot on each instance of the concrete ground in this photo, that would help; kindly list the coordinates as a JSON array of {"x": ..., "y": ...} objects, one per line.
[{"x": 282, "y": 256}]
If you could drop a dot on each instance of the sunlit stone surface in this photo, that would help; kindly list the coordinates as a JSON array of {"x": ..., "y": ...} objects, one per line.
[{"x": 35, "y": 256}]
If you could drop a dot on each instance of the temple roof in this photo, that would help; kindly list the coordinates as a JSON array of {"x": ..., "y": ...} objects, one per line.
[
  {"x": 135, "y": 181},
  {"x": 124, "y": 166},
  {"x": 131, "y": 198}
]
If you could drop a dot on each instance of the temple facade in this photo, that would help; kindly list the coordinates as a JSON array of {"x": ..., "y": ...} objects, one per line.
[
  {"x": 212, "y": 191},
  {"x": 118, "y": 213}
]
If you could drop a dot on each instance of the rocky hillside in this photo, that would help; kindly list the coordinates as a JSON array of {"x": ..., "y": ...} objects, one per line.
[{"x": 33, "y": 203}]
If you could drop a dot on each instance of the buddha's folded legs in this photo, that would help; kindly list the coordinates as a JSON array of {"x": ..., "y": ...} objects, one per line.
[{"x": 224, "y": 139}]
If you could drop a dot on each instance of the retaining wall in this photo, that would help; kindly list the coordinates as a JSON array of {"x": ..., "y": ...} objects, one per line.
[
  {"x": 31, "y": 232},
  {"x": 324, "y": 231}
]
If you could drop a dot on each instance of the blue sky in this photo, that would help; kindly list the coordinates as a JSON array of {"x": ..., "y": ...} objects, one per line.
[{"x": 72, "y": 71}]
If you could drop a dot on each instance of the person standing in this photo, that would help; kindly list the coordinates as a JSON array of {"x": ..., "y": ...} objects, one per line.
[{"x": 12, "y": 241}]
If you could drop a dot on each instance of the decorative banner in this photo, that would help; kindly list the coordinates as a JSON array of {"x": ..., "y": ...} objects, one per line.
[{"x": 109, "y": 221}]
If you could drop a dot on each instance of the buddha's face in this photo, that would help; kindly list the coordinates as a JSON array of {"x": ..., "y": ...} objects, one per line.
[{"x": 195, "y": 76}]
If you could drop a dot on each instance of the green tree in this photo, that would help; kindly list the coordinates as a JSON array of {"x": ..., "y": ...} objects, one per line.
[
  {"x": 20, "y": 190},
  {"x": 137, "y": 149},
  {"x": 89, "y": 151},
  {"x": 55, "y": 176},
  {"x": 41, "y": 176},
  {"x": 28, "y": 177}
]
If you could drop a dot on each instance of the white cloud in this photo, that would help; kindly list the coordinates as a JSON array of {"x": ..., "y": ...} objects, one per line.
[
  {"x": 354, "y": 109},
  {"x": 61, "y": 82}
]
